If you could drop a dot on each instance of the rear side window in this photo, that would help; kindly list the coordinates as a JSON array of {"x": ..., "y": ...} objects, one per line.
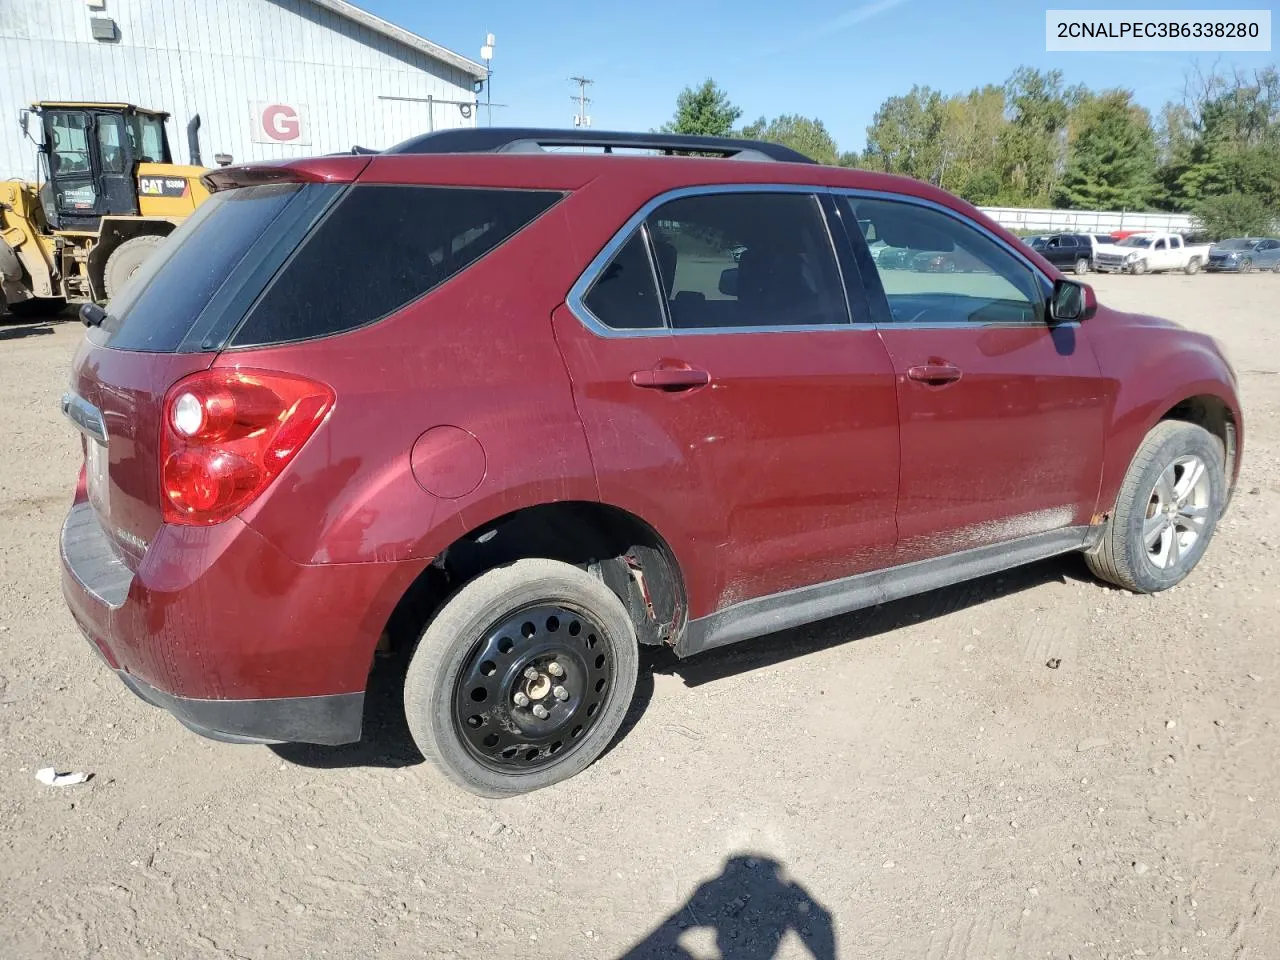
[
  {"x": 161, "y": 301},
  {"x": 747, "y": 260},
  {"x": 380, "y": 248},
  {"x": 625, "y": 295}
]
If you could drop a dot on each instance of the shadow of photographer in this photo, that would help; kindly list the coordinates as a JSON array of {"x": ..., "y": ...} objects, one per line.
[{"x": 749, "y": 908}]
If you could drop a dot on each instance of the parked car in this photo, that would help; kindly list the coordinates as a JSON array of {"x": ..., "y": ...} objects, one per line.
[
  {"x": 512, "y": 415},
  {"x": 1151, "y": 253},
  {"x": 1244, "y": 255},
  {"x": 1069, "y": 251}
]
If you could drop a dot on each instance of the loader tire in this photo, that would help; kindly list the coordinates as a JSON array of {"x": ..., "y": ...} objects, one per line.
[{"x": 126, "y": 259}]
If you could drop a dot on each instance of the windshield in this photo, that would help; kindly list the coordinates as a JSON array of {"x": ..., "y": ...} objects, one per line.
[
  {"x": 1238, "y": 244},
  {"x": 1135, "y": 242}
]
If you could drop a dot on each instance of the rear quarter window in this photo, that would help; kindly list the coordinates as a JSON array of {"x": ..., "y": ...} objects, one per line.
[{"x": 380, "y": 248}]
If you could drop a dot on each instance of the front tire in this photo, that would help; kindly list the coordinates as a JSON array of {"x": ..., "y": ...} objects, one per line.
[
  {"x": 1138, "y": 268},
  {"x": 522, "y": 679},
  {"x": 1166, "y": 512},
  {"x": 1246, "y": 266},
  {"x": 126, "y": 259}
]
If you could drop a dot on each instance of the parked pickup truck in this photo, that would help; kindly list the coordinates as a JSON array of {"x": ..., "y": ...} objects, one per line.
[{"x": 1151, "y": 253}]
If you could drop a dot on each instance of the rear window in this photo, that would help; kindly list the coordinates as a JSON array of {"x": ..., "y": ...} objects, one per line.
[
  {"x": 379, "y": 248},
  {"x": 160, "y": 303}
]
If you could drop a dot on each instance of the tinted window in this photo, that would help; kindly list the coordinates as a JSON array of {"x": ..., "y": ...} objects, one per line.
[
  {"x": 69, "y": 142},
  {"x": 380, "y": 248},
  {"x": 625, "y": 295},
  {"x": 162, "y": 300},
  {"x": 938, "y": 269},
  {"x": 747, "y": 260},
  {"x": 1160, "y": 245}
]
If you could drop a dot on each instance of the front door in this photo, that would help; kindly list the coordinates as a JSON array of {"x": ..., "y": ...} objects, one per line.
[
  {"x": 76, "y": 196},
  {"x": 729, "y": 400},
  {"x": 1002, "y": 414}
]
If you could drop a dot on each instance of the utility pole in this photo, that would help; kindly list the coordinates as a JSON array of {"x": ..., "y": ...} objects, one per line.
[{"x": 581, "y": 118}]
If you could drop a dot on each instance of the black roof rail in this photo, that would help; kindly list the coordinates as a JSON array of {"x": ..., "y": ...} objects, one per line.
[{"x": 535, "y": 140}]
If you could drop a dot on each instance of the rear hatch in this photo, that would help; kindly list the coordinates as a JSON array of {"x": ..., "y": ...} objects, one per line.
[{"x": 171, "y": 320}]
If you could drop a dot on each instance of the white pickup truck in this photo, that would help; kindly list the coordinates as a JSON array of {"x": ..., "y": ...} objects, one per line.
[{"x": 1150, "y": 253}]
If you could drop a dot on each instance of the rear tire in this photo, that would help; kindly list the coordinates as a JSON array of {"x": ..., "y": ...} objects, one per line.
[
  {"x": 125, "y": 261},
  {"x": 464, "y": 687},
  {"x": 1166, "y": 512},
  {"x": 1082, "y": 266},
  {"x": 1192, "y": 267},
  {"x": 38, "y": 307}
]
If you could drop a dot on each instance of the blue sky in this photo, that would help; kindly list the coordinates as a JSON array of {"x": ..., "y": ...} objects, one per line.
[{"x": 833, "y": 59}]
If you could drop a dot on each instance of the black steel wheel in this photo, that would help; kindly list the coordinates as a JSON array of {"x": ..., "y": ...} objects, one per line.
[
  {"x": 522, "y": 678},
  {"x": 532, "y": 687}
]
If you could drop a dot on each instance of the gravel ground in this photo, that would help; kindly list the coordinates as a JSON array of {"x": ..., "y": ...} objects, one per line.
[{"x": 912, "y": 782}]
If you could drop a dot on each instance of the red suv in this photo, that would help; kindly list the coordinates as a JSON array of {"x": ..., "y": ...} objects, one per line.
[{"x": 524, "y": 410}]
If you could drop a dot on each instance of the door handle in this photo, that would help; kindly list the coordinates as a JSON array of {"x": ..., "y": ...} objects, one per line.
[
  {"x": 672, "y": 378},
  {"x": 934, "y": 374}
]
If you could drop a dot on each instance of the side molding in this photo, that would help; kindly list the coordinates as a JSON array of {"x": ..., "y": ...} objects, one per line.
[{"x": 781, "y": 611}]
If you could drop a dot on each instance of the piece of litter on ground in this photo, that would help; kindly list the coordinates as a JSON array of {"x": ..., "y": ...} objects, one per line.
[
  {"x": 1255, "y": 678},
  {"x": 1053, "y": 663},
  {"x": 52, "y": 778},
  {"x": 1093, "y": 743},
  {"x": 1170, "y": 724}
]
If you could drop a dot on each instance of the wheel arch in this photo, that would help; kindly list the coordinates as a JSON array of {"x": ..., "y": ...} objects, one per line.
[{"x": 635, "y": 561}]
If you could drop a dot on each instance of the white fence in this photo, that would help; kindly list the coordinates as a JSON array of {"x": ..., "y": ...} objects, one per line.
[{"x": 1087, "y": 221}]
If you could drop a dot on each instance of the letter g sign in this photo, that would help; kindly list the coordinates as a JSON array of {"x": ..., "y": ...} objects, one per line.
[
  {"x": 284, "y": 123},
  {"x": 280, "y": 122}
]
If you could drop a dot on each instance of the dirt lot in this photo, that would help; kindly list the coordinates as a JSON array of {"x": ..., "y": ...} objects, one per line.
[{"x": 913, "y": 782}]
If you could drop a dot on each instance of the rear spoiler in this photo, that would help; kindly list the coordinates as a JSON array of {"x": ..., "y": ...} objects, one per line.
[{"x": 342, "y": 168}]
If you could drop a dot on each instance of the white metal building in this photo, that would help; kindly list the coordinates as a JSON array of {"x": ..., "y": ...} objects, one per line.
[{"x": 268, "y": 79}]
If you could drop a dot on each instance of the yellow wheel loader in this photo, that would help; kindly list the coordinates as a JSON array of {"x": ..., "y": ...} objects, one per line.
[{"x": 107, "y": 193}]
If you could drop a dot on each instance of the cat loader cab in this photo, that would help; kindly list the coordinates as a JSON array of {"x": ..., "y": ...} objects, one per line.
[{"x": 107, "y": 193}]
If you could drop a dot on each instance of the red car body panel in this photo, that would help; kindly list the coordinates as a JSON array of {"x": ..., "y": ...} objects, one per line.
[
  {"x": 806, "y": 458},
  {"x": 1012, "y": 448}
]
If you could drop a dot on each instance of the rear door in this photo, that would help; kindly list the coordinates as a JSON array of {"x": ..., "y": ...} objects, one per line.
[
  {"x": 729, "y": 396},
  {"x": 1002, "y": 414}
]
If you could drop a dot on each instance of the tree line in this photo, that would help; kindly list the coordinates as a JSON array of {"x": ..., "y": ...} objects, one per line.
[{"x": 1035, "y": 142}]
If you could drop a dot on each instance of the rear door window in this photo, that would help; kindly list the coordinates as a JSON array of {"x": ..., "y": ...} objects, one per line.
[
  {"x": 747, "y": 260},
  {"x": 380, "y": 248}
]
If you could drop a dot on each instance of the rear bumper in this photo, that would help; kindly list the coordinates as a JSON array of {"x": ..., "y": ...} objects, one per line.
[
  {"x": 333, "y": 719},
  {"x": 234, "y": 639}
]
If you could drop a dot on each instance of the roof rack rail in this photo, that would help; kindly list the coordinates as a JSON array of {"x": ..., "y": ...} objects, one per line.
[{"x": 536, "y": 140}]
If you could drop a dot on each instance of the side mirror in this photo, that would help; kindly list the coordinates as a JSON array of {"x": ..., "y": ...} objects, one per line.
[
  {"x": 24, "y": 120},
  {"x": 1071, "y": 301},
  {"x": 728, "y": 282}
]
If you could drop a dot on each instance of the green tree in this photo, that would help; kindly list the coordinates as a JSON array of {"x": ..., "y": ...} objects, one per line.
[
  {"x": 1032, "y": 145},
  {"x": 1235, "y": 215},
  {"x": 806, "y": 135},
  {"x": 705, "y": 112},
  {"x": 1111, "y": 156},
  {"x": 904, "y": 135}
]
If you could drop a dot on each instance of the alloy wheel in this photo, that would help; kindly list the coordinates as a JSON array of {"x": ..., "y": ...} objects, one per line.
[{"x": 1177, "y": 512}]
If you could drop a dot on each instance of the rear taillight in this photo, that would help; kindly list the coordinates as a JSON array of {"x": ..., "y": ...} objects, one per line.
[{"x": 227, "y": 434}]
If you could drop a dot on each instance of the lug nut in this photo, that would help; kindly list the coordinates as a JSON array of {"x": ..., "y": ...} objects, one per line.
[
  {"x": 555, "y": 669},
  {"x": 521, "y": 700},
  {"x": 531, "y": 673},
  {"x": 561, "y": 693},
  {"x": 540, "y": 711}
]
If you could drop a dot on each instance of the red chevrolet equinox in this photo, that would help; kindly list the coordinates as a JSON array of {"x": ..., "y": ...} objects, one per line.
[{"x": 519, "y": 410}]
